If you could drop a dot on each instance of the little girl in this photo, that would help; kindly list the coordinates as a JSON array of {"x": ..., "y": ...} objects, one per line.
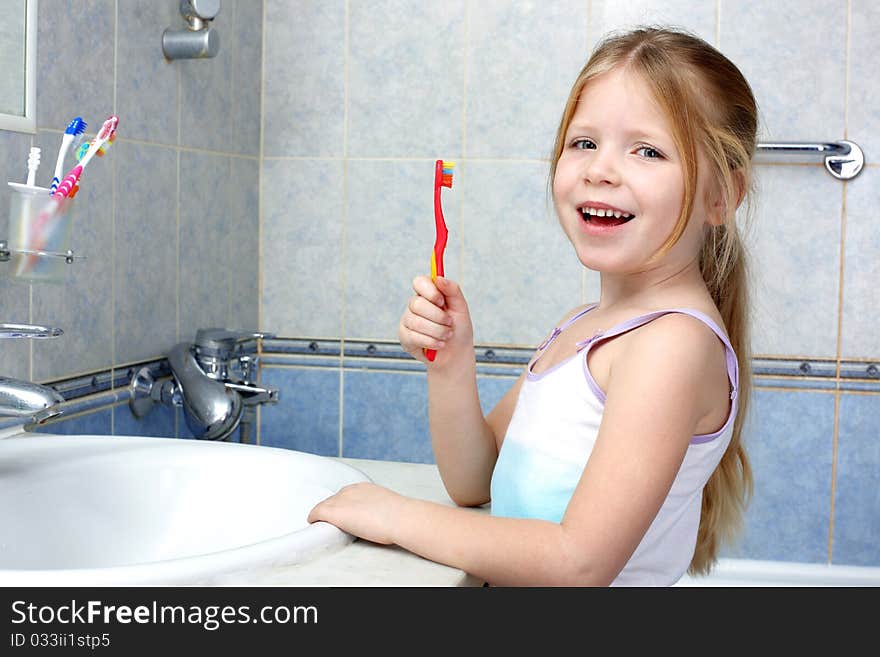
[{"x": 616, "y": 457}]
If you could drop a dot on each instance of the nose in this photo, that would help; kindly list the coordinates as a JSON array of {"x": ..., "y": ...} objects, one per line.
[{"x": 602, "y": 168}]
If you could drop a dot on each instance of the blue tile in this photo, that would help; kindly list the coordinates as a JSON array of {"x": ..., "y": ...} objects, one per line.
[
  {"x": 306, "y": 418},
  {"x": 182, "y": 428},
  {"x": 304, "y": 85},
  {"x": 145, "y": 267},
  {"x": 146, "y": 83},
  {"x": 206, "y": 91},
  {"x": 698, "y": 17},
  {"x": 795, "y": 265},
  {"x": 81, "y": 305},
  {"x": 158, "y": 422},
  {"x": 515, "y": 255},
  {"x": 856, "y": 499},
  {"x": 72, "y": 78},
  {"x": 522, "y": 58},
  {"x": 491, "y": 389},
  {"x": 246, "y": 41},
  {"x": 405, "y": 93},
  {"x": 861, "y": 268},
  {"x": 97, "y": 423},
  {"x": 798, "y": 81},
  {"x": 204, "y": 245},
  {"x": 14, "y": 354},
  {"x": 863, "y": 113},
  {"x": 386, "y": 417},
  {"x": 301, "y": 239},
  {"x": 244, "y": 245},
  {"x": 388, "y": 239},
  {"x": 788, "y": 439}
]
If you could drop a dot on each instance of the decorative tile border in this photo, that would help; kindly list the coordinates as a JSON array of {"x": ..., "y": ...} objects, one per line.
[
  {"x": 385, "y": 355},
  {"x": 92, "y": 392}
]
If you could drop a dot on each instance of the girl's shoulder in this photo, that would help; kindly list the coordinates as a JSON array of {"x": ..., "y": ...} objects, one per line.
[
  {"x": 574, "y": 312},
  {"x": 677, "y": 314}
]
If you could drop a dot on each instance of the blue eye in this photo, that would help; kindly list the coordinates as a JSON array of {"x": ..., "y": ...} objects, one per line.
[
  {"x": 649, "y": 152},
  {"x": 583, "y": 144}
]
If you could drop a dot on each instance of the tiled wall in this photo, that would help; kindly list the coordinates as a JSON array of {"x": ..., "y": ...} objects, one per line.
[
  {"x": 358, "y": 99},
  {"x": 361, "y": 97},
  {"x": 169, "y": 218}
]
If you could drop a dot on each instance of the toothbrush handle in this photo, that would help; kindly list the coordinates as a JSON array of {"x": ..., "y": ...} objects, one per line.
[
  {"x": 69, "y": 181},
  {"x": 59, "y": 162},
  {"x": 436, "y": 270}
]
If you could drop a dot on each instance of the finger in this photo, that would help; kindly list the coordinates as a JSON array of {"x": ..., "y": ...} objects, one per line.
[
  {"x": 427, "y": 327},
  {"x": 424, "y": 287},
  {"x": 415, "y": 343},
  {"x": 315, "y": 513},
  {"x": 422, "y": 307},
  {"x": 452, "y": 294}
]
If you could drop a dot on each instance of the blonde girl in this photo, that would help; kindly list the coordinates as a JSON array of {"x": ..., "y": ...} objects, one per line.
[{"x": 616, "y": 458}]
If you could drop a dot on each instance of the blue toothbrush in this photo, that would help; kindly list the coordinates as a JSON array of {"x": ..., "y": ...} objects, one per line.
[{"x": 74, "y": 129}]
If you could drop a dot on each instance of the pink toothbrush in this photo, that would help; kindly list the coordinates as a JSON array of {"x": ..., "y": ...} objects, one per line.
[{"x": 108, "y": 130}]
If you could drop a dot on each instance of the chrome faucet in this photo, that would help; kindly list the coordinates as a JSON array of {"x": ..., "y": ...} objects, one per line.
[
  {"x": 212, "y": 380},
  {"x": 23, "y": 398}
]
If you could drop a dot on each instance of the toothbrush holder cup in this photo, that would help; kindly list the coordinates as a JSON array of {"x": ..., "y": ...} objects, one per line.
[{"x": 38, "y": 234}]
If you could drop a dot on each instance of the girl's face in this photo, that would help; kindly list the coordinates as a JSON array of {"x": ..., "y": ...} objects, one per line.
[{"x": 620, "y": 160}]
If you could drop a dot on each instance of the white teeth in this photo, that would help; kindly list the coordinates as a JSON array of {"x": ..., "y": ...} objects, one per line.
[{"x": 595, "y": 212}]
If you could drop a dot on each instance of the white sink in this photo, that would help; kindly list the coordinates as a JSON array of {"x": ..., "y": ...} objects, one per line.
[{"x": 116, "y": 510}]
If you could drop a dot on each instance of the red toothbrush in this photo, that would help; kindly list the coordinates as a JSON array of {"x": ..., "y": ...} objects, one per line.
[{"x": 442, "y": 178}]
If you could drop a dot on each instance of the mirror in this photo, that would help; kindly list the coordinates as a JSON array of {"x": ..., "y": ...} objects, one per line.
[{"x": 18, "y": 55}]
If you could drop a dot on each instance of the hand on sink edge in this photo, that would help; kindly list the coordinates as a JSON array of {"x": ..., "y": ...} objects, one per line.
[{"x": 363, "y": 509}]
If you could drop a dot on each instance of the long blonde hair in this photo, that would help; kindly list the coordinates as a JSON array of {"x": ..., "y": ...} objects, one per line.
[{"x": 711, "y": 108}]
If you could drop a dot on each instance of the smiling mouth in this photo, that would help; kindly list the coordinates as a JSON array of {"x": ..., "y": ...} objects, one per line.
[{"x": 605, "y": 217}]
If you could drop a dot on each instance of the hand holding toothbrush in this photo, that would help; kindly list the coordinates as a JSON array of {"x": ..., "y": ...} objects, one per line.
[
  {"x": 437, "y": 317},
  {"x": 442, "y": 178}
]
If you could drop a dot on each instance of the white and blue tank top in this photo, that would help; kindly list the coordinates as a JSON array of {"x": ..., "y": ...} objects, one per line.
[{"x": 551, "y": 435}]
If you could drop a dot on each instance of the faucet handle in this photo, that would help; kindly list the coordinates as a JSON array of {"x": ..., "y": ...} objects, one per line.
[
  {"x": 219, "y": 350},
  {"x": 224, "y": 339}
]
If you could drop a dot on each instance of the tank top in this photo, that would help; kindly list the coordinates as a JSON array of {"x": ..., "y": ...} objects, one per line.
[{"x": 551, "y": 434}]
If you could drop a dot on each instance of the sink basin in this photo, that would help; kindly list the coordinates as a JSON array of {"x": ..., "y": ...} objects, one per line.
[{"x": 116, "y": 510}]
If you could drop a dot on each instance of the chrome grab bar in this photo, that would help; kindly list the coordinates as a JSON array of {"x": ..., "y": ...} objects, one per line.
[{"x": 843, "y": 159}]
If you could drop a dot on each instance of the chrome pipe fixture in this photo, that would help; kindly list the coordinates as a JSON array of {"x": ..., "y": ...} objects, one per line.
[
  {"x": 212, "y": 380},
  {"x": 199, "y": 40},
  {"x": 843, "y": 159},
  {"x": 28, "y": 331},
  {"x": 23, "y": 398},
  {"x": 69, "y": 256}
]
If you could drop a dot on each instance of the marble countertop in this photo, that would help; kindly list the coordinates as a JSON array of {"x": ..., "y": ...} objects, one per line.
[{"x": 368, "y": 564}]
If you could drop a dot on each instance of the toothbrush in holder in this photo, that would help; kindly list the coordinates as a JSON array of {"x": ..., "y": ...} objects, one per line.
[
  {"x": 442, "y": 178},
  {"x": 75, "y": 128},
  {"x": 42, "y": 228},
  {"x": 33, "y": 165},
  {"x": 107, "y": 132}
]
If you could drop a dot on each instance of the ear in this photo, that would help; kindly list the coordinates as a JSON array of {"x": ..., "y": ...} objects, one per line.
[
  {"x": 716, "y": 211},
  {"x": 716, "y": 205}
]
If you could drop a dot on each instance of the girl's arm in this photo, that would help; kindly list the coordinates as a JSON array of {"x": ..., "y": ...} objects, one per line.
[
  {"x": 655, "y": 399},
  {"x": 465, "y": 444}
]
